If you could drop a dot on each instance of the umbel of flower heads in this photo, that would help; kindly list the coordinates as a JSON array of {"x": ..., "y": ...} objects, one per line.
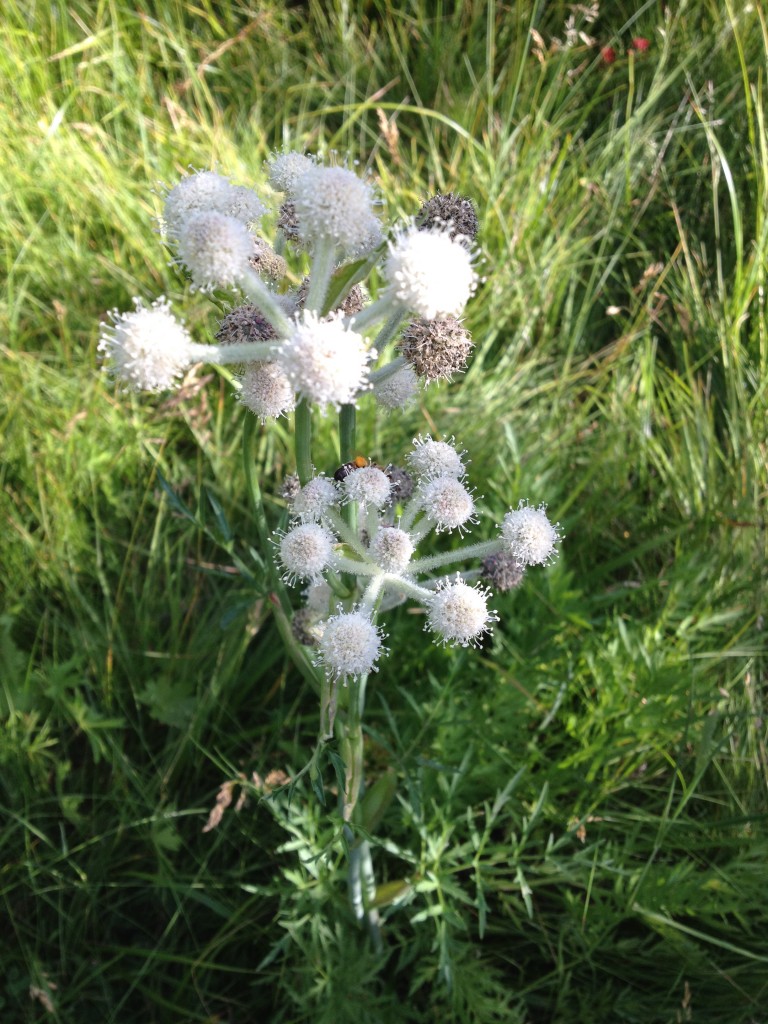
[
  {"x": 286, "y": 344},
  {"x": 381, "y": 555}
]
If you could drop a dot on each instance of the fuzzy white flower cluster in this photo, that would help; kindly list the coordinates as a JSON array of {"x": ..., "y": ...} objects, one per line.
[
  {"x": 377, "y": 548},
  {"x": 286, "y": 345}
]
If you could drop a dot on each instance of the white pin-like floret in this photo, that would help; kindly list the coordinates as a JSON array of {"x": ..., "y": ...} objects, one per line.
[
  {"x": 447, "y": 501},
  {"x": 398, "y": 390},
  {"x": 286, "y": 168},
  {"x": 430, "y": 459},
  {"x": 315, "y": 498},
  {"x": 391, "y": 549},
  {"x": 350, "y": 645},
  {"x": 147, "y": 349},
  {"x": 430, "y": 273},
  {"x": 265, "y": 390},
  {"x": 326, "y": 362},
  {"x": 203, "y": 190},
  {"x": 334, "y": 206},
  {"x": 459, "y": 613},
  {"x": 368, "y": 486},
  {"x": 215, "y": 250},
  {"x": 529, "y": 535},
  {"x": 305, "y": 551}
]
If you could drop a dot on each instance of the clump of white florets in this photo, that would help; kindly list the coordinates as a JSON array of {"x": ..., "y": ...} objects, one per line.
[
  {"x": 265, "y": 390},
  {"x": 368, "y": 486},
  {"x": 398, "y": 390},
  {"x": 380, "y": 551},
  {"x": 429, "y": 273},
  {"x": 448, "y": 502},
  {"x": 325, "y": 360},
  {"x": 459, "y": 613},
  {"x": 430, "y": 459},
  {"x": 215, "y": 249},
  {"x": 287, "y": 167},
  {"x": 350, "y": 645},
  {"x": 206, "y": 191},
  {"x": 334, "y": 206},
  {"x": 529, "y": 536},
  {"x": 305, "y": 551},
  {"x": 147, "y": 349},
  {"x": 314, "y": 499}
]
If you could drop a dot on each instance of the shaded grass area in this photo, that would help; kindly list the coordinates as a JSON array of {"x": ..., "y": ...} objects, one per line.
[{"x": 579, "y": 831}]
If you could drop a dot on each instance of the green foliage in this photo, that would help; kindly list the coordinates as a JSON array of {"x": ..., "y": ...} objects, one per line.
[{"x": 578, "y": 828}]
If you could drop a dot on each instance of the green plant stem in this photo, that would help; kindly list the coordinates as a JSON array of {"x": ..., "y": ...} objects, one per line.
[
  {"x": 361, "y": 883},
  {"x": 260, "y": 295},
  {"x": 281, "y": 602},
  {"x": 320, "y": 275},
  {"x": 347, "y": 429},
  {"x": 303, "y": 440}
]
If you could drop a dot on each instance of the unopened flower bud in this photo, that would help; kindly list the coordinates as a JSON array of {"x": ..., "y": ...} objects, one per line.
[
  {"x": 450, "y": 212},
  {"x": 266, "y": 261},
  {"x": 243, "y": 324},
  {"x": 290, "y": 488},
  {"x": 352, "y": 303},
  {"x": 503, "y": 571},
  {"x": 288, "y": 221},
  {"x": 436, "y": 349},
  {"x": 402, "y": 485}
]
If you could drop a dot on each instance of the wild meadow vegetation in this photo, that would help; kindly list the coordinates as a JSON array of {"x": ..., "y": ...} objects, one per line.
[{"x": 579, "y": 827}]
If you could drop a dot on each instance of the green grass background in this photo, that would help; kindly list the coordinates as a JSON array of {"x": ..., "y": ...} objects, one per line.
[{"x": 579, "y": 833}]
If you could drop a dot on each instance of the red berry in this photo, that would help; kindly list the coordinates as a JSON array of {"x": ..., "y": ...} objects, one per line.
[
  {"x": 608, "y": 54},
  {"x": 640, "y": 43}
]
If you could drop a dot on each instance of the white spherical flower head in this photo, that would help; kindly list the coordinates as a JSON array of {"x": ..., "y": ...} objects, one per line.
[
  {"x": 334, "y": 206},
  {"x": 318, "y": 596},
  {"x": 326, "y": 362},
  {"x": 397, "y": 391},
  {"x": 266, "y": 391},
  {"x": 448, "y": 503},
  {"x": 315, "y": 498},
  {"x": 203, "y": 190},
  {"x": 430, "y": 459},
  {"x": 215, "y": 250},
  {"x": 391, "y": 549},
  {"x": 244, "y": 205},
  {"x": 459, "y": 613},
  {"x": 429, "y": 273},
  {"x": 305, "y": 552},
  {"x": 529, "y": 536},
  {"x": 368, "y": 486},
  {"x": 350, "y": 645},
  {"x": 148, "y": 348},
  {"x": 286, "y": 168}
]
